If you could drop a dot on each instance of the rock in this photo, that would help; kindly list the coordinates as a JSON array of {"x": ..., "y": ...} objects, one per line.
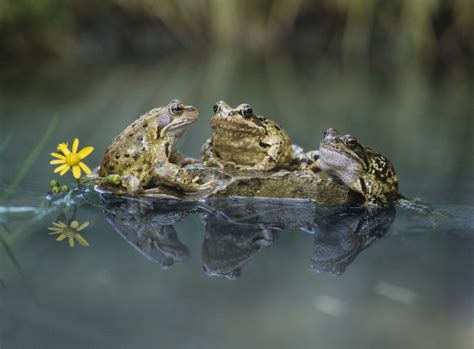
[{"x": 317, "y": 187}]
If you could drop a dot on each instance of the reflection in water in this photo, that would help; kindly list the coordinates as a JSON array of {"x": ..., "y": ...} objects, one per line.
[
  {"x": 341, "y": 236},
  {"x": 236, "y": 229},
  {"x": 228, "y": 245},
  {"x": 148, "y": 226}
]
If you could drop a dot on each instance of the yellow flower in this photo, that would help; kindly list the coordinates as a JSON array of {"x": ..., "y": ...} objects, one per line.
[
  {"x": 71, "y": 159},
  {"x": 70, "y": 232}
]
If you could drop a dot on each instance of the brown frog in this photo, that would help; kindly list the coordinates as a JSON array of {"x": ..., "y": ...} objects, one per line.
[
  {"x": 141, "y": 153},
  {"x": 240, "y": 139},
  {"x": 360, "y": 168}
]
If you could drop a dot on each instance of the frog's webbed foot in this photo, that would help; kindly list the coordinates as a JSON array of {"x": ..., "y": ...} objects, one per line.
[
  {"x": 174, "y": 176},
  {"x": 205, "y": 186}
]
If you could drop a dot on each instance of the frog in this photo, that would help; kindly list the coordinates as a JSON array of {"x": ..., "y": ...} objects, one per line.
[
  {"x": 360, "y": 168},
  {"x": 142, "y": 153},
  {"x": 245, "y": 141}
]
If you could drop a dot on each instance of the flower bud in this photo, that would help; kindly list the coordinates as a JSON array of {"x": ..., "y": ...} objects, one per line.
[
  {"x": 113, "y": 179},
  {"x": 53, "y": 183}
]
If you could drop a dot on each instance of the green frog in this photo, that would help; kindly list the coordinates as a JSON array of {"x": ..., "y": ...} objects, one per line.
[
  {"x": 141, "y": 153},
  {"x": 242, "y": 140},
  {"x": 360, "y": 168}
]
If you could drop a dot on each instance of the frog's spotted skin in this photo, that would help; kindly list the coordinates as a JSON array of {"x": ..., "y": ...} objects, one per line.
[
  {"x": 360, "y": 168},
  {"x": 242, "y": 140},
  {"x": 140, "y": 154}
]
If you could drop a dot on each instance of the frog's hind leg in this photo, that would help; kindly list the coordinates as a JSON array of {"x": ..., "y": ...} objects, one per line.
[
  {"x": 174, "y": 176},
  {"x": 418, "y": 206}
]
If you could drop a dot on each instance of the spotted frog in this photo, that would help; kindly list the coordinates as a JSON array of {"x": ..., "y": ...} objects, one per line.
[
  {"x": 240, "y": 139},
  {"x": 141, "y": 153},
  {"x": 360, "y": 168}
]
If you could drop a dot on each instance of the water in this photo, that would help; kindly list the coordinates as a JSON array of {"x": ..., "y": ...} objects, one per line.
[{"x": 276, "y": 276}]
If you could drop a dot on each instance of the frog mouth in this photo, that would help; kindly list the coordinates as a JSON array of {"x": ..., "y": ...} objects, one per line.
[{"x": 179, "y": 124}]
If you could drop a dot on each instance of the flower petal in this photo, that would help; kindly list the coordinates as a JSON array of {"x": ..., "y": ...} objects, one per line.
[
  {"x": 55, "y": 228},
  {"x": 63, "y": 147},
  {"x": 74, "y": 224},
  {"x": 75, "y": 145},
  {"x": 60, "y": 224},
  {"x": 54, "y": 233},
  {"x": 61, "y": 168},
  {"x": 83, "y": 226},
  {"x": 71, "y": 242},
  {"x": 85, "y": 152},
  {"x": 81, "y": 240},
  {"x": 59, "y": 156},
  {"x": 57, "y": 162},
  {"x": 85, "y": 168},
  {"x": 61, "y": 237},
  {"x": 64, "y": 170},
  {"x": 76, "y": 172}
]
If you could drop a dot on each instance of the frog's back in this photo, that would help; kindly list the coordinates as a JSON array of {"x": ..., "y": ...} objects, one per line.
[
  {"x": 127, "y": 153},
  {"x": 384, "y": 173}
]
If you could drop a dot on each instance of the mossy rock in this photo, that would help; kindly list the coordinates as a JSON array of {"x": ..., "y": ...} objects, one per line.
[{"x": 317, "y": 187}]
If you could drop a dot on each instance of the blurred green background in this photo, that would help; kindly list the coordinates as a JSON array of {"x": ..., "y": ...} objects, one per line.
[{"x": 432, "y": 32}]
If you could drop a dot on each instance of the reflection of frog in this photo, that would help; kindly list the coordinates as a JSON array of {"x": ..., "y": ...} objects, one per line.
[
  {"x": 360, "y": 168},
  {"x": 140, "y": 154},
  {"x": 242, "y": 140},
  {"x": 340, "y": 235},
  {"x": 148, "y": 226},
  {"x": 227, "y": 246}
]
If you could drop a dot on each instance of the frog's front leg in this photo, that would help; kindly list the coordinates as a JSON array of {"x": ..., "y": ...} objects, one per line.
[
  {"x": 182, "y": 160},
  {"x": 208, "y": 157},
  {"x": 174, "y": 176}
]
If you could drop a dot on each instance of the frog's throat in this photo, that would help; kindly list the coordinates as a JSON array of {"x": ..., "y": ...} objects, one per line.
[{"x": 333, "y": 156}]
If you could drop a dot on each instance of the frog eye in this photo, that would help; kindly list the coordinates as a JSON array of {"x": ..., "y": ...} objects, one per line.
[
  {"x": 351, "y": 141},
  {"x": 247, "y": 110},
  {"x": 176, "y": 108},
  {"x": 216, "y": 107}
]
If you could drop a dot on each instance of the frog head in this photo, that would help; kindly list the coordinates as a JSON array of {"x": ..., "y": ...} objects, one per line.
[
  {"x": 238, "y": 120},
  {"x": 173, "y": 119},
  {"x": 360, "y": 168},
  {"x": 342, "y": 153}
]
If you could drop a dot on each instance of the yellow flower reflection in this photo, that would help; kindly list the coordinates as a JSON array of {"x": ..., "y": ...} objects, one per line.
[
  {"x": 70, "y": 232},
  {"x": 71, "y": 159}
]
